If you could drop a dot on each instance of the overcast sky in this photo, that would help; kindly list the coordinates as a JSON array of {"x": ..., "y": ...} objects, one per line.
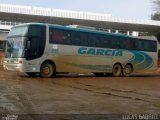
[{"x": 133, "y": 9}]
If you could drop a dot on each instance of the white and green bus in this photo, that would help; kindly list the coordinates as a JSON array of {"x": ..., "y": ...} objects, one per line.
[{"x": 47, "y": 50}]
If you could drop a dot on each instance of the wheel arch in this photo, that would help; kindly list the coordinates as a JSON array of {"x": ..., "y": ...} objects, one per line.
[
  {"x": 50, "y": 66},
  {"x": 49, "y": 61},
  {"x": 118, "y": 63},
  {"x": 117, "y": 70},
  {"x": 131, "y": 66}
]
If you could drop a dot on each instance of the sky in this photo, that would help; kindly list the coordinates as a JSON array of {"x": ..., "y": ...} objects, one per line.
[{"x": 130, "y": 9}]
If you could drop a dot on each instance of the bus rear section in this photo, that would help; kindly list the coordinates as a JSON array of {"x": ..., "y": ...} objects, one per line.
[
  {"x": 2, "y": 44},
  {"x": 158, "y": 62},
  {"x": 1, "y": 57}
]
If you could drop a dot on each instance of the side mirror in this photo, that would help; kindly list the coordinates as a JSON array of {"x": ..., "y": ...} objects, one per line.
[{"x": 28, "y": 44}]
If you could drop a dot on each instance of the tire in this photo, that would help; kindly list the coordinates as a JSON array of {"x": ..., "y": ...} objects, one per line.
[
  {"x": 47, "y": 70},
  {"x": 127, "y": 70},
  {"x": 99, "y": 74},
  {"x": 117, "y": 70},
  {"x": 32, "y": 74}
]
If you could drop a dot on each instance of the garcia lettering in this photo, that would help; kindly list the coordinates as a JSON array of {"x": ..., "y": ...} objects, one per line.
[{"x": 99, "y": 51}]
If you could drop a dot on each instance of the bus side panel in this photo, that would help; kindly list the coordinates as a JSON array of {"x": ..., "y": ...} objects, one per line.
[
  {"x": 68, "y": 59},
  {"x": 1, "y": 57},
  {"x": 143, "y": 61},
  {"x": 71, "y": 59}
]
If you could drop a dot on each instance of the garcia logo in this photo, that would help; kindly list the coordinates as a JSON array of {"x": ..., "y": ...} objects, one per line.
[{"x": 99, "y": 51}]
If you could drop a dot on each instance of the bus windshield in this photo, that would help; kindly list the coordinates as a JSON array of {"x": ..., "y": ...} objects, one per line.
[
  {"x": 18, "y": 31},
  {"x": 15, "y": 47},
  {"x": 27, "y": 41}
]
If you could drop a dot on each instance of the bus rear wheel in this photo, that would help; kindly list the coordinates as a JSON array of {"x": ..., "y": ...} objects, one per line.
[
  {"x": 47, "y": 70},
  {"x": 117, "y": 70},
  {"x": 127, "y": 70}
]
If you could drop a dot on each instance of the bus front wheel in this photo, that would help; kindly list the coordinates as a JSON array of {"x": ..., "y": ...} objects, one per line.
[
  {"x": 127, "y": 70},
  {"x": 47, "y": 70},
  {"x": 117, "y": 70}
]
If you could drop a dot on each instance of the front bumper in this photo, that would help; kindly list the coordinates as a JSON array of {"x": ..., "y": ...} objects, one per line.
[{"x": 21, "y": 68}]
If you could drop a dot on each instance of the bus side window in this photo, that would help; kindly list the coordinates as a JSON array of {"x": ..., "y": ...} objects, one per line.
[
  {"x": 147, "y": 45},
  {"x": 108, "y": 41},
  {"x": 102, "y": 41},
  {"x": 66, "y": 37},
  {"x": 112, "y": 42},
  {"x": 85, "y": 39},
  {"x": 116, "y": 43},
  {"x": 57, "y": 36},
  {"x": 140, "y": 45},
  {"x": 134, "y": 43},
  {"x": 92, "y": 40},
  {"x": 120, "y": 43},
  {"x": 76, "y": 38},
  {"x": 98, "y": 41},
  {"x": 152, "y": 46},
  {"x": 127, "y": 43}
]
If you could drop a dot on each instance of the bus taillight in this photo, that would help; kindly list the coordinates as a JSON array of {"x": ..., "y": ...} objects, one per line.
[
  {"x": 20, "y": 62},
  {"x": 158, "y": 62}
]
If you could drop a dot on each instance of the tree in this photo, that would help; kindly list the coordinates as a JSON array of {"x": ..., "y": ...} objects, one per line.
[
  {"x": 156, "y": 15},
  {"x": 156, "y": 4}
]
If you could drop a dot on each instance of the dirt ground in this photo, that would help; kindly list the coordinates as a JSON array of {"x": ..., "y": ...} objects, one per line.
[{"x": 79, "y": 94}]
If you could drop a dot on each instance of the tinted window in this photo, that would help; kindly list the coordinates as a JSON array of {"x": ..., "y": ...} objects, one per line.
[
  {"x": 128, "y": 44},
  {"x": 36, "y": 31},
  {"x": 91, "y": 39},
  {"x": 77, "y": 38},
  {"x": 97, "y": 40},
  {"x": 134, "y": 42},
  {"x": 106, "y": 41},
  {"x": 153, "y": 46},
  {"x": 146, "y": 45},
  {"x": 67, "y": 37},
  {"x": 37, "y": 39},
  {"x": 59, "y": 36},
  {"x": 85, "y": 39},
  {"x": 117, "y": 42},
  {"x": 141, "y": 45}
]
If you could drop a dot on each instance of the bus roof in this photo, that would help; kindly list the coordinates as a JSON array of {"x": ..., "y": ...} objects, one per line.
[{"x": 86, "y": 30}]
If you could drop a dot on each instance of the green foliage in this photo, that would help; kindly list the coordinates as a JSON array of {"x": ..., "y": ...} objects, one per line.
[
  {"x": 156, "y": 5},
  {"x": 156, "y": 8},
  {"x": 156, "y": 15}
]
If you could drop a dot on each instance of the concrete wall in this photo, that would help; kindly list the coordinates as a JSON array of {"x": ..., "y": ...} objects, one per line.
[{"x": 3, "y": 36}]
